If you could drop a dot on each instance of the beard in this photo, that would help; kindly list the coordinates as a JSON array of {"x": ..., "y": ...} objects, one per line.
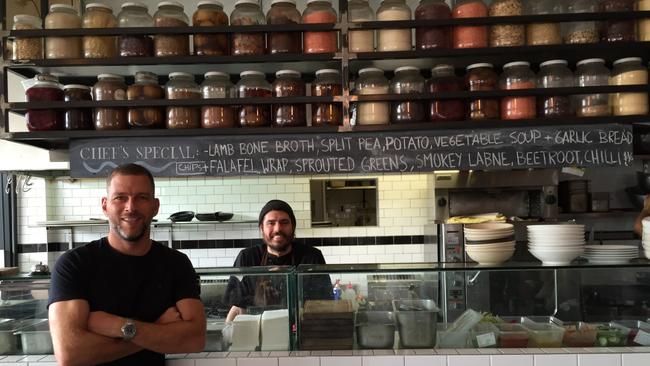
[
  {"x": 280, "y": 246},
  {"x": 134, "y": 236}
]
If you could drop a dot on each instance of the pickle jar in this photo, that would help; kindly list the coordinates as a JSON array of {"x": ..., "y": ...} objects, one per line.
[
  {"x": 181, "y": 85},
  {"x": 46, "y": 88},
  {"x": 171, "y": 14},
  {"x": 217, "y": 85},
  {"x": 99, "y": 16},
  {"x": 109, "y": 87},
  {"x": 393, "y": 39},
  {"x": 629, "y": 71},
  {"x": 252, "y": 84},
  {"x": 62, "y": 16},
  {"x": 288, "y": 83},
  {"x": 210, "y": 14},
  {"x": 644, "y": 24},
  {"x": 444, "y": 79},
  {"x": 319, "y": 12},
  {"x": 584, "y": 31},
  {"x": 432, "y": 37},
  {"x": 554, "y": 74},
  {"x": 469, "y": 36},
  {"x": 546, "y": 32},
  {"x": 407, "y": 80},
  {"x": 618, "y": 30},
  {"x": 145, "y": 87},
  {"x": 132, "y": 45},
  {"x": 361, "y": 40},
  {"x": 27, "y": 48},
  {"x": 247, "y": 12},
  {"x": 77, "y": 118},
  {"x": 372, "y": 81},
  {"x": 327, "y": 84},
  {"x": 592, "y": 72},
  {"x": 284, "y": 12},
  {"x": 481, "y": 77},
  {"x": 517, "y": 75},
  {"x": 506, "y": 35}
]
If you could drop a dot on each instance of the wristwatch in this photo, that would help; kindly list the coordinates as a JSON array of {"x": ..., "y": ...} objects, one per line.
[{"x": 128, "y": 330}]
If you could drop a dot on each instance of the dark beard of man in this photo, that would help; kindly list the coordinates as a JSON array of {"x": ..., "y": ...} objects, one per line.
[{"x": 283, "y": 247}]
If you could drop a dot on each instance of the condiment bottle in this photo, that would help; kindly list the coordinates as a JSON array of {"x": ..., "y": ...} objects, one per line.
[
  {"x": 517, "y": 75},
  {"x": 393, "y": 39},
  {"x": 318, "y": 12}
]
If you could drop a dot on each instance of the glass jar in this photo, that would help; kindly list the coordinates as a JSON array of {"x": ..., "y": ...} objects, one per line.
[
  {"x": 210, "y": 14},
  {"x": 361, "y": 40},
  {"x": 592, "y": 72},
  {"x": 506, "y": 35},
  {"x": 618, "y": 30},
  {"x": 469, "y": 36},
  {"x": 77, "y": 118},
  {"x": 432, "y": 37},
  {"x": 171, "y": 14},
  {"x": 98, "y": 15},
  {"x": 288, "y": 84},
  {"x": 135, "y": 15},
  {"x": 393, "y": 39},
  {"x": 45, "y": 89},
  {"x": 284, "y": 12},
  {"x": 407, "y": 80},
  {"x": 517, "y": 75},
  {"x": 372, "y": 81},
  {"x": 554, "y": 74},
  {"x": 481, "y": 77},
  {"x": 62, "y": 16},
  {"x": 643, "y": 24},
  {"x": 443, "y": 79},
  {"x": 181, "y": 85},
  {"x": 581, "y": 32},
  {"x": 247, "y": 12},
  {"x": 27, "y": 48},
  {"x": 109, "y": 87},
  {"x": 319, "y": 12},
  {"x": 327, "y": 84},
  {"x": 629, "y": 71},
  {"x": 252, "y": 84},
  {"x": 543, "y": 33},
  {"x": 217, "y": 85},
  {"x": 145, "y": 88}
]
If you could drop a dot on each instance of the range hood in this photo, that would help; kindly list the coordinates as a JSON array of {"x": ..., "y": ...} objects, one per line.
[{"x": 17, "y": 157}]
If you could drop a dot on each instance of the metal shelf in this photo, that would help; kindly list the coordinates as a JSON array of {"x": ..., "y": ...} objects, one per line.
[
  {"x": 598, "y": 215},
  {"x": 351, "y": 188}
]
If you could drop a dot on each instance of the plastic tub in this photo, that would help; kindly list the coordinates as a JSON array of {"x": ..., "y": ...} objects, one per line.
[
  {"x": 375, "y": 329},
  {"x": 449, "y": 338},
  {"x": 416, "y": 322},
  {"x": 512, "y": 336},
  {"x": 609, "y": 335},
  {"x": 580, "y": 335},
  {"x": 36, "y": 339},
  {"x": 484, "y": 335},
  {"x": 544, "y": 335},
  {"x": 8, "y": 341},
  {"x": 632, "y": 327}
]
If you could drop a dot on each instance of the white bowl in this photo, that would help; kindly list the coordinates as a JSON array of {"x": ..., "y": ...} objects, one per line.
[
  {"x": 487, "y": 236},
  {"x": 489, "y": 226},
  {"x": 566, "y": 228},
  {"x": 505, "y": 244},
  {"x": 554, "y": 258},
  {"x": 489, "y": 249},
  {"x": 573, "y": 248},
  {"x": 491, "y": 257}
]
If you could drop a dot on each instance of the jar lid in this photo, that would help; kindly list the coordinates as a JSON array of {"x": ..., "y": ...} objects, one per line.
[
  {"x": 255, "y": 2},
  {"x": 287, "y": 72},
  {"x": 76, "y": 86},
  {"x": 251, "y": 73},
  {"x": 319, "y": 1},
  {"x": 406, "y": 68},
  {"x": 590, "y": 61},
  {"x": 627, "y": 59},
  {"x": 516, "y": 63},
  {"x": 112, "y": 76},
  {"x": 180, "y": 74},
  {"x": 283, "y": 1},
  {"x": 327, "y": 71},
  {"x": 443, "y": 67},
  {"x": 370, "y": 69},
  {"x": 26, "y": 18},
  {"x": 170, "y": 3},
  {"x": 47, "y": 83},
  {"x": 210, "y": 2},
  {"x": 482, "y": 64},
  {"x": 135, "y": 5},
  {"x": 553, "y": 62},
  {"x": 62, "y": 6},
  {"x": 98, "y": 5},
  {"x": 216, "y": 73},
  {"x": 146, "y": 75}
]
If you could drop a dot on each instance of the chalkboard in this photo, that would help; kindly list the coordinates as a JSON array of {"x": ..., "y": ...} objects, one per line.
[{"x": 357, "y": 152}]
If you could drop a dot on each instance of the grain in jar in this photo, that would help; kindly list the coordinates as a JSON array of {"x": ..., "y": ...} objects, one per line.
[
  {"x": 210, "y": 14},
  {"x": 361, "y": 40},
  {"x": 288, "y": 83},
  {"x": 284, "y": 12},
  {"x": 629, "y": 71},
  {"x": 443, "y": 80},
  {"x": 247, "y": 12},
  {"x": 77, "y": 118},
  {"x": 181, "y": 85},
  {"x": 372, "y": 81},
  {"x": 319, "y": 12},
  {"x": 217, "y": 85},
  {"x": 252, "y": 84},
  {"x": 27, "y": 48},
  {"x": 45, "y": 88},
  {"x": 407, "y": 80},
  {"x": 554, "y": 74},
  {"x": 592, "y": 72},
  {"x": 132, "y": 45},
  {"x": 171, "y": 14},
  {"x": 109, "y": 87},
  {"x": 393, "y": 39},
  {"x": 581, "y": 32},
  {"x": 643, "y": 24},
  {"x": 472, "y": 36},
  {"x": 432, "y": 37},
  {"x": 618, "y": 30},
  {"x": 481, "y": 77},
  {"x": 99, "y": 16},
  {"x": 145, "y": 87},
  {"x": 517, "y": 75},
  {"x": 62, "y": 16},
  {"x": 327, "y": 84},
  {"x": 506, "y": 35},
  {"x": 543, "y": 33}
]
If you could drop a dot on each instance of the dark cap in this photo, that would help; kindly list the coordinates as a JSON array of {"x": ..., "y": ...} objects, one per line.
[{"x": 277, "y": 205}]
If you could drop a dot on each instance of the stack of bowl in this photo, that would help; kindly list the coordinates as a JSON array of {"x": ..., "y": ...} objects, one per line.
[
  {"x": 645, "y": 237},
  {"x": 557, "y": 244},
  {"x": 489, "y": 243}
]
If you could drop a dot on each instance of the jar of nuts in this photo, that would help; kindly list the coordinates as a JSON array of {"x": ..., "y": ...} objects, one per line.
[
  {"x": 247, "y": 12},
  {"x": 288, "y": 83},
  {"x": 217, "y": 85},
  {"x": 145, "y": 88},
  {"x": 170, "y": 14},
  {"x": 581, "y": 32},
  {"x": 210, "y": 14},
  {"x": 135, "y": 15},
  {"x": 109, "y": 87},
  {"x": 99, "y": 16},
  {"x": 181, "y": 85},
  {"x": 27, "y": 48},
  {"x": 506, "y": 35},
  {"x": 252, "y": 84},
  {"x": 543, "y": 33},
  {"x": 62, "y": 16}
]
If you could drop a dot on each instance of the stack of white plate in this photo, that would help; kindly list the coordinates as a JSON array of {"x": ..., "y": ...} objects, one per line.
[
  {"x": 489, "y": 243},
  {"x": 646, "y": 236},
  {"x": 610, "y": 254},
  {"x": 557, "y": 244}
]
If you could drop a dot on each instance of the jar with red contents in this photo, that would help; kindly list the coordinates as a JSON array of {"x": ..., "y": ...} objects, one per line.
[
  {"x": 443, "y": 79},
  {"x": 318, "y": 12},
  {"x": 288, "y": 83},
  {"x": 327, "y": 84},
  {"x": 181, "y": 85},
  {"x": 252, "y": 84},
  {"x": 45, "y": 89},
  {"x": 217, "y": 85},
  {"x": 77, "y": 118},
  {"x": 407, "y": 80},
  {"x": 481, "y": 77},
  {"x": 517, "y": 75},
  {"x": 432, "y": 37},
  {"x": 469, "y": 36}
]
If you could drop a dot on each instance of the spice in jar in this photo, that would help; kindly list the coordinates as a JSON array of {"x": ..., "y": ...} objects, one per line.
[
  {"x": 393, "y": 39},
  {"x": 581, "y": 32},
  {"x": 327, "y": 84},
  {"x": 46, "y": 88},
  {"x": 135, "y": 15},
  {"x": 27, "y": 48},
  {"x": 109, "y": 87},
  {"x": 618, "y": 30},
  {"x": 319, "y": 12},
  {"x": 643, "y": 24},
  {"x": 247, "y": 12},
  {"x": 170, "y": 14},
  {"x": 469, "y": 36},
  {"x": 592, "y": 72},
  {"x": 407, "y": 80},
  {"x": 543, "y": 33},
  {"x": 554, "y": 74},
  {"x": 77, "y": 118},
  {"x": 181, "y": 85},
  {"x": 481, "y": 77},
  {"x": 517, "y": 75},
  {"x": 62, "y": 16},
  {"x": 506, "y": 35},
  {"x": 629, "y": 71},
  {"x": 432, "y": 37},
  {"x": 252, "y": 84},
  {"x": 284, "y": 12},
  {"x": 443, "y": 79},
  {"x": 99, "y": 16},
  {"x": 372, "y": 81},
  {"x": 210, "y": 14},
  {"x": 145, "y": 88},
  {"x": 361, "y": 40},
  {"x": 217, "y": 85},
  {"x": 288, "y": 83}
]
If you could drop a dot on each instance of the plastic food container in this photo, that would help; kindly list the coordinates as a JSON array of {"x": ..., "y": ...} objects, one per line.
[
  {"x": 512, "y": 335},
  {"x": 36, "y": 339},
  {"x": 416, "y": 322},
  {"x": 484, "y": 335},
  {"x": 632, "y": 327},
  {"x": 609, "y": 335},
  {"x": 8, "y": 341},
  {"x": 451, "y": 338},
  {"x": 544, "y": 335},
  {"x": 579, "y": 335},
  {"x": 375, "y": 329},
  {"x": 214, "y": 341}
]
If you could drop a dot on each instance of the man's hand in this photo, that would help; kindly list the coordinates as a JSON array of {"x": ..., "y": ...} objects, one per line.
[
  {"x": 105, "y": 324},
  {"x": 170, "y": 315}
]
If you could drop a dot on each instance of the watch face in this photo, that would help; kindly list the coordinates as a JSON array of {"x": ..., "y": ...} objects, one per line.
[{"x": 128, "y": 330}]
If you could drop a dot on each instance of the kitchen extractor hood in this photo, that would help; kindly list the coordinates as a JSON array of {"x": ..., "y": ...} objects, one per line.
[{"x": 17, "y": 157}]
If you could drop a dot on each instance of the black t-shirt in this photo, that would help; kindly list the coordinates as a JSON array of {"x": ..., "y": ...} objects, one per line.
[{"x": 137, "y": 287}]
